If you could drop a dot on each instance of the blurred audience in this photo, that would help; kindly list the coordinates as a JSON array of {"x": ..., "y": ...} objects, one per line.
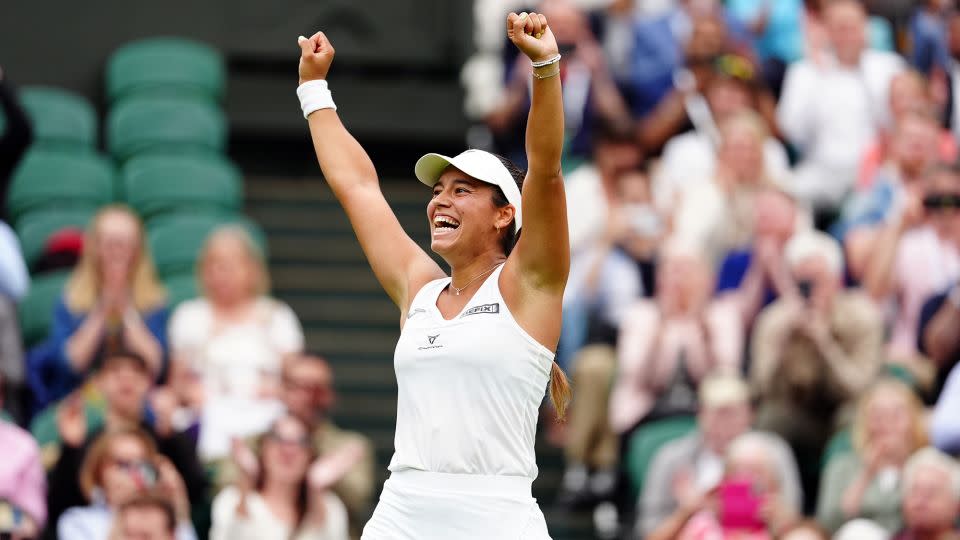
[
  {"x": 607, "y": 277},
  {"x": 912, "y": 257},
  {"x": 123, "y": 381},
  {"x": 691, "y": 156},
  {"x": 931, "y": 497},
  {"x": 667, "y": 43},
  {"x": 279, "y": 494},
  {"x": 122, "y": 464},
  {"x": 23, "y": 485},
  {"x": 910, "y": 95},
  {"x": 685, "y": 470},
  {"x": 750, "y": 502},
  {"x": 888, "y": 428},
  {"x": 778, "y": 28},
  {"x": 832, "y": 110},
  {"x": 813, "y": 350},
  {"x": 308, "y": 394},
  {"x": 928, "y": 35},
  {"x": 112, "y": 301},
  {"x": 756, "y": 273},
  {"x": 669, "y": 343},
  {"x": 145, "y": 517},
  {"x": 717, "y": 216},
  {"x": 227, "y": 346},
  {"x": 589, "y": 91},
  {"x": 805, "y": 530}
]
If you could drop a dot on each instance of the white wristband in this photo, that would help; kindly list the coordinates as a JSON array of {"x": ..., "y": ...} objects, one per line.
[{"x": 315, "y": 95}]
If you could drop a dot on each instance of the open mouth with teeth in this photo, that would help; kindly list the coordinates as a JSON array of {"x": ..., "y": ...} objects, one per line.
[{"x": 444, "y": 224}]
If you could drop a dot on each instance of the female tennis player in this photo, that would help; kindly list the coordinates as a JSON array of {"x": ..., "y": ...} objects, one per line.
[{"x": 475, "y": 351}]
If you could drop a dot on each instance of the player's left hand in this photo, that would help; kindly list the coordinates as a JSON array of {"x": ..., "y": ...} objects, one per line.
[{"x": 530, "y": 33}]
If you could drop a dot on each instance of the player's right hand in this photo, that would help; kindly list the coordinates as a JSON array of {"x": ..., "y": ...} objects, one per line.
[{"x": 316, "y": 55}]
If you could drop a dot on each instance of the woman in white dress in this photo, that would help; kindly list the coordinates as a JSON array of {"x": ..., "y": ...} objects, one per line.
[{"x": 475, "y": 354}]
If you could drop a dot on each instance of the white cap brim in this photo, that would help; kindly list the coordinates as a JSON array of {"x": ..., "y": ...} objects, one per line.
[{"x": 478, "y": 164}]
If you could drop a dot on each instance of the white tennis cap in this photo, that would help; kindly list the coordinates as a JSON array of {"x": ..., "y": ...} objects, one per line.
[{"x": 481, "y": 165}]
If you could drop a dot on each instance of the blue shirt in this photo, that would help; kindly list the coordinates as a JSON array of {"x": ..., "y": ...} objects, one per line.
[
  {"x": 871, "y": 207},
  {"x": 734, "y": 269},
  {"x": 783, "y": 36},
  {"x": 54, "y": 369}
]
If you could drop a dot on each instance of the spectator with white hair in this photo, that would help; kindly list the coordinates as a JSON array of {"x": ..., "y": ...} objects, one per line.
[
  {"x": 751, "y": 501},
  {"x": 931, "y": 497},
  {"x": 831, "y": 112},
  {"x": 814, "y": 350},
  {"x": 684, "y": 470}
]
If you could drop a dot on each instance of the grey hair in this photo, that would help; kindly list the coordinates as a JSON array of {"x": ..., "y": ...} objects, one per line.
[
  {"x": 931, "y": 457},
  {"x": 779, "y": 457}
]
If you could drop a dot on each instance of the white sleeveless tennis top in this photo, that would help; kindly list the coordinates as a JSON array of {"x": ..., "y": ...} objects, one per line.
[{"x": 469, "y": 388}]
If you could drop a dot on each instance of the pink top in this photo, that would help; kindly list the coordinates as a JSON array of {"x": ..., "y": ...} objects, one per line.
[
  {"x": 874, "y": 156},
  {"x": 23, "y": 482},
  {"x": 643, "y": 368},
  {"x": 704, "y": 526},
  {"x": 925, "y": 265}
]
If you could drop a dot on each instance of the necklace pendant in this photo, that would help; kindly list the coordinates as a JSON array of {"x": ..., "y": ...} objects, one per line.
[{"x": 457, "y": 290}]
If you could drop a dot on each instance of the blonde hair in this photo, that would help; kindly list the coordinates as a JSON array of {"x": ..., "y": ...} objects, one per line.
[
  {"x": 859, "y": 431},
  {"x": 560, "y": 391},
  {"x": 83, "y": 287},
  {"x": 91, "y": 471},
  {"x": 253, "y": 251}
]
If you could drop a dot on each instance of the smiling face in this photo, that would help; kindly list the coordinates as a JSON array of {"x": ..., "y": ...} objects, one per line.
[
  {"x": 286, "y": 452},
  {"x": 463, "y": 217}
]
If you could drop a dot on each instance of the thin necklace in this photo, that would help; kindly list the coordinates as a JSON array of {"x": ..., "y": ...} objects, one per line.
[{"x": 478, "y": 276}]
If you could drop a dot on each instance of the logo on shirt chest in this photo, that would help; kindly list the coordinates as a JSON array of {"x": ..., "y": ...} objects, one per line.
[
  {"x": 485, "y": 308},
  {"x": 431, "y": 340}
]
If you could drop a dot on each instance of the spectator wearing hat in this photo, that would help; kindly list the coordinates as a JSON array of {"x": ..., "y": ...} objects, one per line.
[
  {"x": 831, "y": 112},
  {"x": 814, "y": 350},
  {"x": 685, "y": 470}
]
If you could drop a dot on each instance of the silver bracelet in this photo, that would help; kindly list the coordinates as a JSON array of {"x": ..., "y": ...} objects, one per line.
[{"x": 545, "y": 63}]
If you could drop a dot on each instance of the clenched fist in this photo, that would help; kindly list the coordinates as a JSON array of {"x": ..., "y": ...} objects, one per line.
[
  {"x": 530, "y": 33},
  {"x": 316, "y": 55}
]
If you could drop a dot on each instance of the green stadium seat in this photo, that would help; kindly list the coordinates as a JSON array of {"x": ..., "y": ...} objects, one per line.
[
  {"x": 165, "y": 65},
  {"x": 646, "y": 441},
  {"x": 49, "y": 178},
  {"x": 181, "y": 287},
  {"x": 165, "y": 124},
  {"x": 36, "y": 310},
  {"x": 162, "y": 183},
  {"x": 176, "y": 240},
  {"x": 60, "y": 118},
  {"x": 35, "y": 228}
]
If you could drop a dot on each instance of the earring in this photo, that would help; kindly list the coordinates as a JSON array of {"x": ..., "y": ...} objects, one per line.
[{"x": 498, "y": 228}]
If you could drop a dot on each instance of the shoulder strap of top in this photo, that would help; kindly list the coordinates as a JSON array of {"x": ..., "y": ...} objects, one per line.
[{"x": 428, "y": 293}]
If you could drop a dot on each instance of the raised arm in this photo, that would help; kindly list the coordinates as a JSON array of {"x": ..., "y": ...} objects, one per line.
[
  {"x": 542, "y": 256},
  {"x": 399, "y": 263}
]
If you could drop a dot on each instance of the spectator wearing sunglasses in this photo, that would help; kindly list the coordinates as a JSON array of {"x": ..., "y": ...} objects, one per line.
[
  {"x": 915, "y": 256},
  {"x": 281, "y": 493},
  {"x": 123, "y": 464}
]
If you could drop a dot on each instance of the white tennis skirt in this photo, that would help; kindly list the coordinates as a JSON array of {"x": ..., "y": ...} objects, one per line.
[{"x": 418, "y": 505}]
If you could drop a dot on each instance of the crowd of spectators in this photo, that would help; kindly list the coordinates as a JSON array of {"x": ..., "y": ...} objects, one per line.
[
  {"x": 137, "y": 419},
  {"x": 762, "y": 322}
]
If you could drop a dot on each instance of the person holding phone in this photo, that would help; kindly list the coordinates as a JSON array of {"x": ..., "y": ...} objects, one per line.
[
  {"x": 476, "y": 349},
  {"x": 122, "y": 464},
  {"x": 749, "y": 503}
]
